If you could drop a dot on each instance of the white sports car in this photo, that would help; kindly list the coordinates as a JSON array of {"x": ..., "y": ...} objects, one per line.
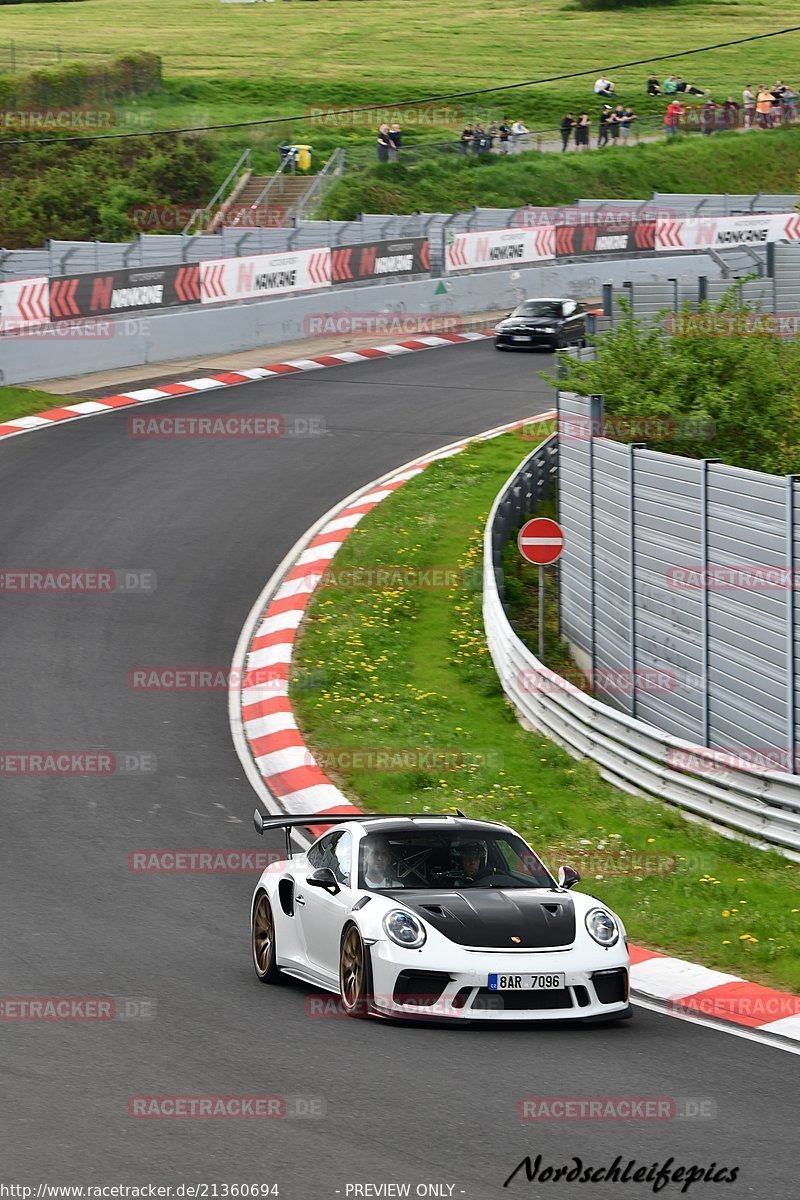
[{"x": 436, "y": 916}]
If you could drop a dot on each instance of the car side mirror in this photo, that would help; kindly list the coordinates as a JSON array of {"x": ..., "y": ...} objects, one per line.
[
  {"x": 568, "y": 877},
  {"x": 324, "y": 877}
]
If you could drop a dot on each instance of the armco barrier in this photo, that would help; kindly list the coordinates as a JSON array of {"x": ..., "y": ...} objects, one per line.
[{"x": 761, "y": 805}]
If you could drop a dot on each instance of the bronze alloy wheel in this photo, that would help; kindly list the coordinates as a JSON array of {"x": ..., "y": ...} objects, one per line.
[
  {"x": 354, "y": 974},
  {"x": 263, "y": 941}
]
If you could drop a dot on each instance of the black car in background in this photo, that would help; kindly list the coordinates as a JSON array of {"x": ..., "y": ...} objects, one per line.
[{"x": 552, "y": 323}]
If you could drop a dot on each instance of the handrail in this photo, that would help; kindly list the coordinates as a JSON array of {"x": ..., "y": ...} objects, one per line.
[
  {"x": 288, "y": 163},
  {"x": 761, "y": 806},
  {"x": 333, "y": 167},
  {"x": 244, "y": 157}
]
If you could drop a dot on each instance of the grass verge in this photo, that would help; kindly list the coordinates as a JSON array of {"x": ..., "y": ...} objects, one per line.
[
  {"x": 25, "y": 402},
  {"x": 406, "y": 669}
]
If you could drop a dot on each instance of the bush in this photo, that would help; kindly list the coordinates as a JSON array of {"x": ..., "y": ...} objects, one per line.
[
  {"x": 718, "y": 366},
  {"x": 80, "y": 191},
  {"x": 78, "y": 83}
]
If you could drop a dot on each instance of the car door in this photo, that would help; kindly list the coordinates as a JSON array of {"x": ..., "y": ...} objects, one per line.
[
  {"x": 574, "y": 324},
  {"x": 321, "y": 915}
]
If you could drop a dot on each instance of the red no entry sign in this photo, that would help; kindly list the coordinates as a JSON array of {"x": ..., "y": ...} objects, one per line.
[{"x": 541, "y": 541}]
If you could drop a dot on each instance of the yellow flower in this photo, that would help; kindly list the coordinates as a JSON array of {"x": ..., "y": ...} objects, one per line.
[
  {"x": 725, "y": 912},
  {"x": 649, "y": 840},
  {"x": 726, "y": 942}
]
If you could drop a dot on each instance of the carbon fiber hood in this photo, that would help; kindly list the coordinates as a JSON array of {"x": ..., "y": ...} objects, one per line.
[{"x": 494, "y": 918}]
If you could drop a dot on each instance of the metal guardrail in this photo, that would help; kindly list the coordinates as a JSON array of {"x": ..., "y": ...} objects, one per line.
[{"x": 763, "y": 806}]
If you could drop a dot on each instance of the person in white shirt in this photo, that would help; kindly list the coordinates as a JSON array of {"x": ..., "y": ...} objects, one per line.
[
  {"x": 518, "y": 131},
  {"x": 604, "y": 87}
]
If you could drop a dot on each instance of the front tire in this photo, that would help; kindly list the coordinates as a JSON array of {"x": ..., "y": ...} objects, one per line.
[
  {"x": 262, "y": 941},
  {"x": 355, "y": 974}
]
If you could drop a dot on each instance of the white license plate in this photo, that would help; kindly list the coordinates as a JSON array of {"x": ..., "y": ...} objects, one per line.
[
  {"x": 520, "y": 337},
  {"x": 521, "y": 983}
]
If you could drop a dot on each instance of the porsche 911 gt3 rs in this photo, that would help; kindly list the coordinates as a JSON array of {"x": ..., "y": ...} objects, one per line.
[{"x": 436, "y": 916}]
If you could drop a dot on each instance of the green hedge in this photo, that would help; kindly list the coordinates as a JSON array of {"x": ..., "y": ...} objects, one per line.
[{"x": 79, "y": 83}]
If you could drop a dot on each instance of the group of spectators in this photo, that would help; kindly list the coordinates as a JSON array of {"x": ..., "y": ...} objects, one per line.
[
  {"x": 763, "y": 108},
  {"x": 475, "y": 139},
  {"x": 613, "y": 124}
]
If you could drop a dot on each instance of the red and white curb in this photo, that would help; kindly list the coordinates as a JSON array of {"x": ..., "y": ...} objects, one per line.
[
  {"x": 208, "y": 383},
  {"x": 287, "y": 779}
]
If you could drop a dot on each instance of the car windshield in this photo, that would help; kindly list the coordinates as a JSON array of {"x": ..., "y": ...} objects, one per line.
[
  {"x": 428, "y": 859},
  {"x": 539, "y": 308}
]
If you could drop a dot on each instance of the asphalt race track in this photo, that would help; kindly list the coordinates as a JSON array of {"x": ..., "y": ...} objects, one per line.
[{"x": 402, "y": 1104}]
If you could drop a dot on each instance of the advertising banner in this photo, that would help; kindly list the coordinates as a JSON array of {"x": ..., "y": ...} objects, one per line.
[
  {"x": 106, "y": 293},
  {"x": 23, "y": 303},
  {"x": 603, "y": 239},
  {"x": 756, "y": 229},
  {"x": 500, "y": 248},
  {"x": 377, "y": 260},
  {"x": 260, "y": 275}
]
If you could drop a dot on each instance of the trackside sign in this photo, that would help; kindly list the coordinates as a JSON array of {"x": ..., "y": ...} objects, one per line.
[
  {"x": 500, "y": 248},
  {"x": 698, "y": 233},
  {"x": 224, "y": 279}
]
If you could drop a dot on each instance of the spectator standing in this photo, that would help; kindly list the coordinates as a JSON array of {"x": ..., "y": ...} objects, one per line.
[
  {"x": 518, "y": 131},
  {"x": 604, "y": 87},
  {"x": 467, "y": 139},
  {"x": 708, "y": 117},
  {"x": 481, "y": 142},
  {"x": 789, "y": 104},
  {"x": 504, "y": 133},
  {"x": 626, "y": 123},
  {"x": 384, "y": 144},
  {"x": 582, "y": 131},
  {"x": 567, "y": 125},
  {"x": 749, "y": 106},
  {"x": 603, "y": 126},
  {"x": 492, "y": 133},
  {"x": 672, "y": 118},
  {"x": 728, "y": 116},
  {"x": 764, "y": 107},
  {"x": 395, "y": 137},
  {"x": 615, "y": 122},
  {"x": 653, "y": 86}
]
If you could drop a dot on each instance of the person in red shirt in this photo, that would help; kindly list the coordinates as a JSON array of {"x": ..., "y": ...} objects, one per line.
[{"x": 672, "y": 118}]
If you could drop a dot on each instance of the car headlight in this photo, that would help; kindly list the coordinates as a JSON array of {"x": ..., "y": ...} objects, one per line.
[
  {"x": 547, "y": 329},
  {"x": 602, "y": 927},
  {"x": 404, "y": 929}
]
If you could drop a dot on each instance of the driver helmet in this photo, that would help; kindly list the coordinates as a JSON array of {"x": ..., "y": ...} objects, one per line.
[{"x": 473, "y": 850}]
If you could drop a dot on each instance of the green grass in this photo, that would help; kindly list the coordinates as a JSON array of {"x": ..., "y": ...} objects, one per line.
[
  {"x": 349, "y": 51},
  {"x": 25, "y": 402},
  {"x": 408, "y": 668},
  {"x": 732, "y": 162}
]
